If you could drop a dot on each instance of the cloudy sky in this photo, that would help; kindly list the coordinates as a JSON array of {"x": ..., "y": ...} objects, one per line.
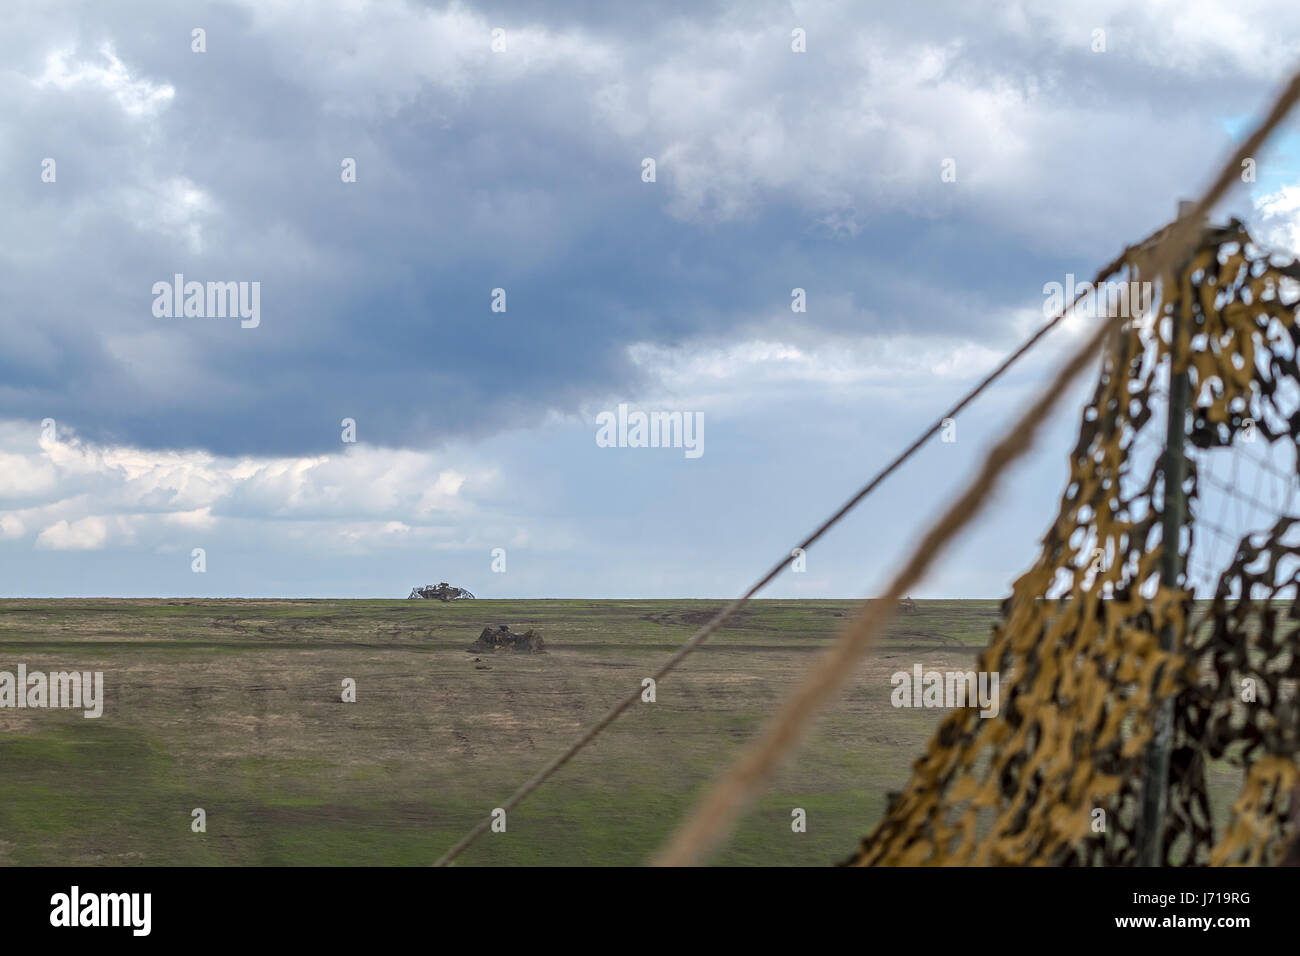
[{"x": 129, "y": 439}]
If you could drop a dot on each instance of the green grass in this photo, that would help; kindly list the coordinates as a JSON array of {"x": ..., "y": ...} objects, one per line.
[{"x": 234, "y": 706}]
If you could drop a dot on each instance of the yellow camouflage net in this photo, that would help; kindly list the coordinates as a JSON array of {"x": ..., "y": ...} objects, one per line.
[{"x": 1082, "y": 674}]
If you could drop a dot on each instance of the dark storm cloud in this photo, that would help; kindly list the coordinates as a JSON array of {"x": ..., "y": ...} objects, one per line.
[{"x": 478, "y": 171}]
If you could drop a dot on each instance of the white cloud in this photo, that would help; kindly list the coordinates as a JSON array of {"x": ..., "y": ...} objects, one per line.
[
  {"x": 137, "y": 97},
  {"x": 22, "y": 476},
  {"x": 174, "y": 207},
  {"x": 1279, "y": 219},
  {"x": 84, "y": 496},
  {"x": 746, "y": 372},
  {"x": 85, "y": 534}
]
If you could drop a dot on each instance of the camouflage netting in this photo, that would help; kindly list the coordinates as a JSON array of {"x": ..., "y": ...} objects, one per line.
[
  {"x": 501, "y": 637},
  {"x": 1078, "y": 649}
]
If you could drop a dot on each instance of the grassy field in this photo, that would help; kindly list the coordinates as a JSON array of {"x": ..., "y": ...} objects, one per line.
[{"x": 235, "y": 707}]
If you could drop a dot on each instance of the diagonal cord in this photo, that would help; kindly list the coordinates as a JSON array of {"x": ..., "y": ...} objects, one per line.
[
  {"x": 727, "y": 611},
  {"x": 707, "y": 824}
]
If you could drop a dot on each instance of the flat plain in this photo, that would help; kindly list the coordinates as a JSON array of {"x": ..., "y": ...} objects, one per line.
[{"x": 235, "y": 707}]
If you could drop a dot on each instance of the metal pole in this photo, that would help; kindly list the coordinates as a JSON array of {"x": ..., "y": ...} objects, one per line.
[{"x": 1155, "y": 785}]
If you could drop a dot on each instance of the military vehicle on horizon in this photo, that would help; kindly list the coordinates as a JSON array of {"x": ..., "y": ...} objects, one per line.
[{"x": 441, "y": 592}]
